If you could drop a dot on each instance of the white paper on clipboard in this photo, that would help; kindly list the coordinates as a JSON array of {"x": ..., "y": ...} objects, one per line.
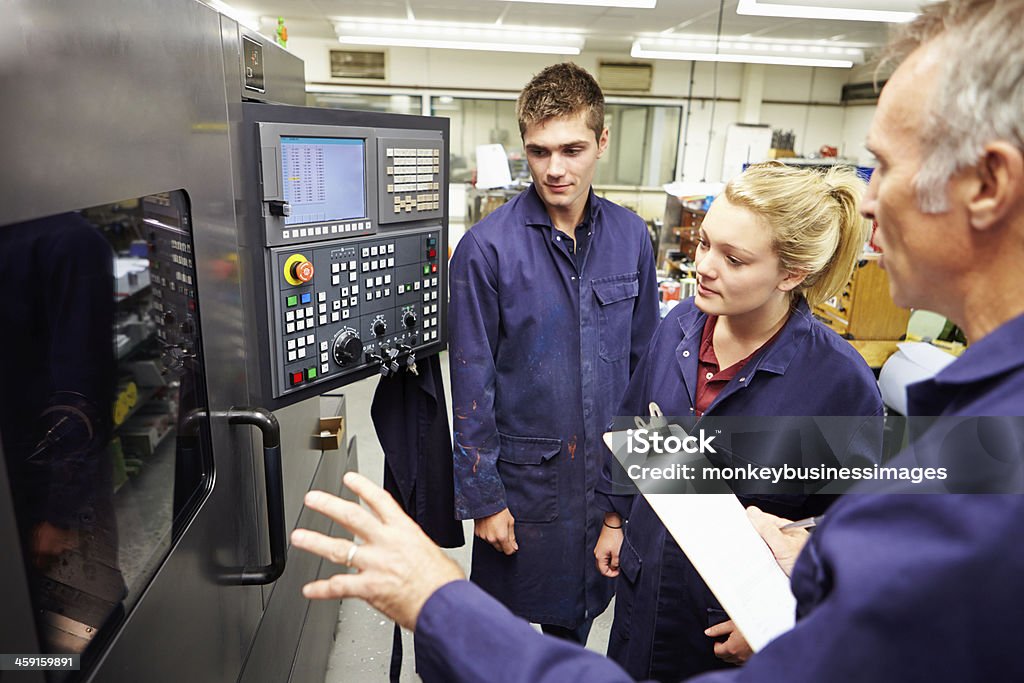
[{"x": 732, "y": 558}]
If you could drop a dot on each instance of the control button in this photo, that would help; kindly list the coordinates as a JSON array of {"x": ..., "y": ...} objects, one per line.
[
  {"x": 401, "y": 289},
  {"x": 351, "y": 265},
  {"x": 409, "y": 319},
  {"x": 344, "y": 291},
  {"x": 369, "y": 296},
  {"x": 323, "y": 320},
  {"x": 433, "y": 281},
  {"x": 322, "y": 308},
  {"x": 433, "y": 267},
  {"x": 323, "y": 357},
  {"x": 391, "y": 248},
  {"x": 352, "y": 277},
  {"x": 335, "y": 267},
  {"x": 380, "y": 281},
  {"x": 336, "y": 305},
  {"x": 334, "y": 317},
  {"x": 289, "y": 328},
  {"x": 369, "y": 282},
  {"x": 311, "y": 339},
  {"x": 380, "y": 328},
  {"x": 301, "y": 325},
  {"x": 307, "y": 297},
  {"x": 302, "y": 352},
  {"x": 426, "y": 296},
  {"x": 323, "y": 346},
  {"x": 366, "y": 252},
  {"x": 291, "y": 356},
  {"x": 289, "y": 316},
  {"x": 291, "y": 344},
  {"x": 431, "y": 241},
  {"x": 416, "y": 286},
  {"x": 296, "y": 378},
  {"x": 344, "y": 266},
  {"x": 335, "y": 280},
  {"x": 325, "y": 367},
  {"x": 311, "y": 373},
  {"x": 300, "y": 269},
  {"x": 373, "y": 251},
  {"x": 321, "y": 296},
  {"x": 366, "y": 266},
  {"x": 354, "y": 301},
  {"x": 309, "y": 313},
  {"x": 344, "y": 314},
  {"x": 377, "y": 294},
  {"x": 355, "y": 289},
  {"x": 387, "y": 291},
  {"x": 431, "y": 253},
  {"x": 293, "y": 301},
  {"x": 391, "y": 262},
  {"x": 426, "y": 269}
]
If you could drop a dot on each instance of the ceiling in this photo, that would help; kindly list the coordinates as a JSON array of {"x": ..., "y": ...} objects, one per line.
[{"x": 606, "y": 28}]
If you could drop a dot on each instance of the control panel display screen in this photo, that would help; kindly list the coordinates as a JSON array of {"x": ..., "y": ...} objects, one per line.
[{"x": 324, "y": 178}]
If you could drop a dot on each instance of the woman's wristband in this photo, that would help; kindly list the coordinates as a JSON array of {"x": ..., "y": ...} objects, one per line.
[{"x": 612, "y": 527}]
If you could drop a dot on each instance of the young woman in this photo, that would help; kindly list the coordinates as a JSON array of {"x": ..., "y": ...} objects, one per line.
[{"x": 779, "y": 240}]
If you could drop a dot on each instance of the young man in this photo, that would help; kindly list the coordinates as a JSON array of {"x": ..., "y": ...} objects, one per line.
[{"x": 553, "y": 301}]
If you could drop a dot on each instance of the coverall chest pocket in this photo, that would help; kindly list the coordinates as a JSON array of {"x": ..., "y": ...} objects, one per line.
[
  {"x": 529, "y": 471},
  {"x": 616, "y": 296}
]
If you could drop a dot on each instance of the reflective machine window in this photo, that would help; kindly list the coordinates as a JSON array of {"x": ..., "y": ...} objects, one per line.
[{"x": 102, "y": 412}]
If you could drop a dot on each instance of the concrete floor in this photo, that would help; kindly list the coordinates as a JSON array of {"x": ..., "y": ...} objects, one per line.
[{"x": 362, "y": 651}]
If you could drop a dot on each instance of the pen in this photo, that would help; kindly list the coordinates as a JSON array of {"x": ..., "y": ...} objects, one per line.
[{"x": 808, "y": 523}]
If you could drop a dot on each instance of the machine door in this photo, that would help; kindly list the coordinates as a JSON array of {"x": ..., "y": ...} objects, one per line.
[{"x": 133, "y": 500}]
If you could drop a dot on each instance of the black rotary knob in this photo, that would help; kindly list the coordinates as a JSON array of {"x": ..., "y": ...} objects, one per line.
[
  {"x": 347, "y": 347},
  {"x": 409, "y": 319},
  {"x": 380, "y": 328}
]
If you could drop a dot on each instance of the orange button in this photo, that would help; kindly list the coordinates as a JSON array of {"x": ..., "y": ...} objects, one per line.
[{"x": 303, "y": 271}]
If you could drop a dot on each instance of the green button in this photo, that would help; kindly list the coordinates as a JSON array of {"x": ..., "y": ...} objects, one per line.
[
  {"x": 426, "y": 269},
  {"x": 311, "y": 373},
  {"x": 293, "y": 301}
]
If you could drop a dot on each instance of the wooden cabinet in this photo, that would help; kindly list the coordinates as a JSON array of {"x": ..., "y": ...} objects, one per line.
[{"x": 864, "y": 311}]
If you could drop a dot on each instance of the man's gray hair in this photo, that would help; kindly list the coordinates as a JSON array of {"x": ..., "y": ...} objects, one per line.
[{"x": 979, "y": 96}]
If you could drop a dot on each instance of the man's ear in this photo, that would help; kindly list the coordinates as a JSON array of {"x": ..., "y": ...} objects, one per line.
[
  {"x": 602, "y": 143},
  {"x": 996, "y": 185}
]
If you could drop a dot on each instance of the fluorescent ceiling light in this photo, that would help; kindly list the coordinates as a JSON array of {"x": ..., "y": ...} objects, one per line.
[
  {"x": 454, "y": 36},
  {"x": 797, "y": 11},
  {"x": 629, "y": 4},
  {"x": 746, "y": 51},
  {"x": 249, "y": 20}
]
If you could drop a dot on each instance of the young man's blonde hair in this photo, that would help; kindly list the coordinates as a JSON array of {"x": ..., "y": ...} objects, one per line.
[
  {"x": 813, "y": 218},
  {"x": 561, "y": 90}
]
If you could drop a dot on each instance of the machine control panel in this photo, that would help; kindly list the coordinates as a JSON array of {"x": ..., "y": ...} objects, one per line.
[
  {"x": 353, "y": 227},
  {"x": 367, "y": 302}
]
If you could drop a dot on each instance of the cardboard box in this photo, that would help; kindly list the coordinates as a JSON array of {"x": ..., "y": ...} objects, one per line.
[{"x": 332, "y": 434}]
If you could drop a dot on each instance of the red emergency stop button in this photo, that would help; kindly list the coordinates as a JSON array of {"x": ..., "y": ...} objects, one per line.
[
  {"x": 303, "y": 271},
  {"x": 431, "y": 253},
  {"x": 296, "y": 378},
  {"x": 298, "y": 270}
]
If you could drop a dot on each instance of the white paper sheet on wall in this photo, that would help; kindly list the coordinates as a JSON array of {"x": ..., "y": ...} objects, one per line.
[{"x": 492, "y": 167}]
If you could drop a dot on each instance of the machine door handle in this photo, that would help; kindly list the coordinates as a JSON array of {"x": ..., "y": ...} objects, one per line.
[{"x": 271, "y": 431}]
